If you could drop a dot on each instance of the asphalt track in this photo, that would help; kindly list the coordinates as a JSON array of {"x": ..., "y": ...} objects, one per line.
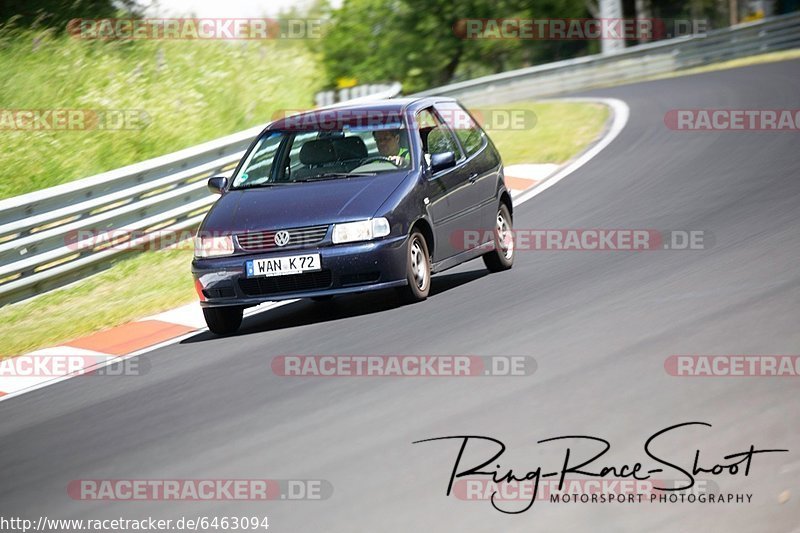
[{"x": 599, "y": 325}]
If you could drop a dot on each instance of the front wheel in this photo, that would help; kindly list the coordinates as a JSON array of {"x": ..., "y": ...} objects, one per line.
[
  {"x": 418, "y": 270},
  {"x": 223, "y": 320},
  {"x": 502, "y": 257}
]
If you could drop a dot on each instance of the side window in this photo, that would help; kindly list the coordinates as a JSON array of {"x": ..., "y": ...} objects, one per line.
[
  {"x": 468, "y": 132},
  {"x": 436, "y": 137}
]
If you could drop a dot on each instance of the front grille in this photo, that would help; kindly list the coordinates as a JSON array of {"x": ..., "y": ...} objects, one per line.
[
  {"x": 308, "y": 281},
  {"x": 257, "y": 241}
]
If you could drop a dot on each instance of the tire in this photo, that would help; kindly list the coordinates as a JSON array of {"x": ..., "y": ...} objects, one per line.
[
  {"x": 223, "y": 320},
  {"x": 418, "y": 270},
  {"x": 502, "y": 257}
]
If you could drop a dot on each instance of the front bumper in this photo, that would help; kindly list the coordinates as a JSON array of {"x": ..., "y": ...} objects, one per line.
[{"x": 346, "y": 268}]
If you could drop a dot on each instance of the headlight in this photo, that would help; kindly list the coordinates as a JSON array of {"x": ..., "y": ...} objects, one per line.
[
  {"x": 364, "y": 230},
  {"x": 213, "y": 246}
]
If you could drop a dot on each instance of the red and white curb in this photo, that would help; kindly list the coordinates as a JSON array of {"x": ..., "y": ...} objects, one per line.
[
  {"x": 47, "y": 366},
  {"x": 520, "y": 178}
]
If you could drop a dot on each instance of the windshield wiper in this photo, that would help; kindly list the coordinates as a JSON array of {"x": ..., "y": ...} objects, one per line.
[
  {"x": 255, "y": 185},
  {"x": 333, "y": 176}
]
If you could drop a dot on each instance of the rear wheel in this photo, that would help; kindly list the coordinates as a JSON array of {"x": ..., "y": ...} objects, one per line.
[
  {"x": 418, "y": 270},
  {"x": 223, "y": 320},
  {"x": 502, "y": 257}
]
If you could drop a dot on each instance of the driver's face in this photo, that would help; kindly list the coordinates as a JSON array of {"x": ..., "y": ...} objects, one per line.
[{"x": 388, "y": 142}]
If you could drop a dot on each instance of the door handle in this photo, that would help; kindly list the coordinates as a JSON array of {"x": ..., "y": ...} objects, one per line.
[{"x": 473, "y": 178}]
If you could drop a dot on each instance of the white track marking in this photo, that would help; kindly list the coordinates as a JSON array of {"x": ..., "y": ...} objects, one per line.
[
  {"x": 17, "y": 386},
  {"x": 620, "y": 112}
]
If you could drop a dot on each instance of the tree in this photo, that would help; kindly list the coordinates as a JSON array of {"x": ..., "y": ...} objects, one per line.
[{"x": 418, "y": 42}]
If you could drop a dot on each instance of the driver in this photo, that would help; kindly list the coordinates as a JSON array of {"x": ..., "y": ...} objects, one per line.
[{"x": 388, "y": 142}]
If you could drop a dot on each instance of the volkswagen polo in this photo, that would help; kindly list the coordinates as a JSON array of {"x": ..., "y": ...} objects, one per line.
[{"x": 350, "y": 199}]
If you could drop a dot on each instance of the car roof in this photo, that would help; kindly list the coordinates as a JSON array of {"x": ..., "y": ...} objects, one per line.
[{"x": 392, "y": 106}]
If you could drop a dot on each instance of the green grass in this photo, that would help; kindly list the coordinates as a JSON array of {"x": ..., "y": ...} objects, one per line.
[
  {"x": 157, "y": 281},
  {"x": 562, "y": 131},
  {"x": 190, "y": 91},
  {"x": 135, "y": 287}
]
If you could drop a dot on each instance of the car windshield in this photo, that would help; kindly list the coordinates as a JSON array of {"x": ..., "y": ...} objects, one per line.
[{"x": 324, "y": 153}]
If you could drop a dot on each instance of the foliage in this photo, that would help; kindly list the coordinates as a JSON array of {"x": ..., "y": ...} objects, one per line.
[
  {"x": 419, "y": 42},
  {"x": 189, "y": 92}
]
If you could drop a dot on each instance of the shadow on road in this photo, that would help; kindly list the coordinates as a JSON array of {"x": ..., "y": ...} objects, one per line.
[{"x": 305, "y": 312}]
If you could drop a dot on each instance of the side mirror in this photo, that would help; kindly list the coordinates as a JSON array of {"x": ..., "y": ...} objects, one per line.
[
  {"x": 442, "y": 161},
  {"x": 217, "y": 184}
]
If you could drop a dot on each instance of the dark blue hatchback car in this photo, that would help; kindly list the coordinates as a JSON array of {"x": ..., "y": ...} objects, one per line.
[{"x": 349, "y": 199}]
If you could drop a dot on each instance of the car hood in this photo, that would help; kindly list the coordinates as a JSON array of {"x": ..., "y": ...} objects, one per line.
[{"x": 302, "y": 204}]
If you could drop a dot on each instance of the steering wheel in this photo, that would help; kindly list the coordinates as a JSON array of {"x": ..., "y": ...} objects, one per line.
[{"x": 375, "y": 158}]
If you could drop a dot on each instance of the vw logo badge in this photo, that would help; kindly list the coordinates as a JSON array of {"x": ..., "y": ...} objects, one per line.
[{"x": 282, "y": 238}]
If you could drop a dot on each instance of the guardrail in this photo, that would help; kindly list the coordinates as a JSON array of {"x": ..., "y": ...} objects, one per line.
[
  {"x": 631, "y": 64},
  {"x": 39, "y": 232},
  {"x": 357, "y": 93},
  {"x": 169, "y": 192}
]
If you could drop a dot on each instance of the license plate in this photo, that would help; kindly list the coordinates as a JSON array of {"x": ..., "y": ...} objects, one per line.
[{"x": 283, "y": 266}]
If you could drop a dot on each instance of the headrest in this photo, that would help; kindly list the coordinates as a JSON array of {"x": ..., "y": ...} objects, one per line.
[
  {"x": 350, "y": 148},
  {"x": 317, "y": 152}
]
